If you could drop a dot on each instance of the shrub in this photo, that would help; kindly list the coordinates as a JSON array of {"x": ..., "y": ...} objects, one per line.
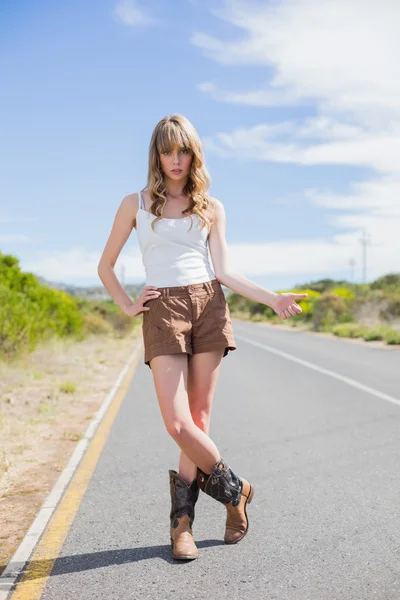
[
  {"x": 389, "y": 281},
  {"x": 94, "y": 324},
  {"x": 350, "y": 330},
  {"x": 36, "y": 314},
  {"x": 328, "y": 310},
  {"x": 375, "y": 334},
  {"x": 240, "y": 304},
  {"x": 257, "y": 317},
  {"x": 392, "y": 309},
  {"x": 31, "y": 312},
  {"x": 343, "y": 292},
  {"x": 68, "y": 387},
  {"x": 392, "y": 337}
]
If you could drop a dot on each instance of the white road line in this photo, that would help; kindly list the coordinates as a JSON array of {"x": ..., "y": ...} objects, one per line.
[
  {"x": 32, "y": 536},
  {"x": 306, "y": 363}
]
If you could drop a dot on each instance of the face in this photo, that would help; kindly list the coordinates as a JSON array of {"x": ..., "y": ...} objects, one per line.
[{"x": 176, "y": 162}]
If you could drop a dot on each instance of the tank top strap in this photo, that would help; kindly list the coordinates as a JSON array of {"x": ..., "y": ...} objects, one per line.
[{"x": 141, "y": 204}]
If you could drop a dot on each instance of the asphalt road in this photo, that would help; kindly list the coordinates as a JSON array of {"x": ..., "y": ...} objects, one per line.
[{"x": 322, "y": 453}]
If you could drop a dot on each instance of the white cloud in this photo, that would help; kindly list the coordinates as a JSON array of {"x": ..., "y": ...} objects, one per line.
[
  {"x": 328, "y": 128},
  {"x": 79, "y": 264},
  {"x": 251, "y": 98},
  {"x": 341, "y": 144},
  {"x": 343, "y": 59},
  {"x": 379, "y": 197},
  {"x": 130, "y": 13},
  {"x": 344, "y": 56},
  {"x": 373, "y": 206},
  {"x": 315, "y": 257}
]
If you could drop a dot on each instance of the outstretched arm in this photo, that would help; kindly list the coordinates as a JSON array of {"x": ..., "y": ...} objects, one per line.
[{"x": 283, "y": 304}]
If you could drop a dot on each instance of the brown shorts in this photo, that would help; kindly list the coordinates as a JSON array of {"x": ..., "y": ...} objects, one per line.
[{"x": 189, "y": 318}]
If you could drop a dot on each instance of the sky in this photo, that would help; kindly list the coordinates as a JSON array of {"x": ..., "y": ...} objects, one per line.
[{"x": 297, "y": 104}]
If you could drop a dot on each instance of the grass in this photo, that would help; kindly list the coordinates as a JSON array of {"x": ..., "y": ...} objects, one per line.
[
  {"x": 72, "y": 436},
  {"x": 349, "y": 330},
  {"x": 67, "y": 387},
  {"x": 382, "y": 333},
  {"x": 21, "y": 492},
  {"x": 20, "y": 449},
  {"x": 4, "y": 462},
  {"x": 45, "y": 407},
  {"x": 392, "y": 337}
]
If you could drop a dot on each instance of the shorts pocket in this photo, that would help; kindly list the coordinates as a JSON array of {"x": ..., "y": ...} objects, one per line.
[
  {"x": 221, "y": 313},
  {"x": 156, "y": 321}
]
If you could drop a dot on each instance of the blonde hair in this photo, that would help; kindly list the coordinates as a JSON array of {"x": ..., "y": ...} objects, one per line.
[{"x": 171, "y": 130}]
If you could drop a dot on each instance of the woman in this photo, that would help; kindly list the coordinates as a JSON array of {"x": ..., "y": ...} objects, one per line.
[{"x": 187, "y": 328}]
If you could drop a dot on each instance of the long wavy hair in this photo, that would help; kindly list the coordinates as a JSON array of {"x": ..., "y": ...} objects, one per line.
[{"x": 171, "y": 130}]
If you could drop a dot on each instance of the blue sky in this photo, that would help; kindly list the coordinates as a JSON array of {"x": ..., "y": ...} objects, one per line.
[{"x": 297, "y": 108}]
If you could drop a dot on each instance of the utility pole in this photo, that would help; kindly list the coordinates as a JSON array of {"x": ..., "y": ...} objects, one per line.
[
  {"x": 365, "y": 241},
  {"x": 352, "y": 263}
]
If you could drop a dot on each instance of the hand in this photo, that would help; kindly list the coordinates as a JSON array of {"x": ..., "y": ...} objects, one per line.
[
  {"x": 285, "y": 306},
  {"x": 149, "y": 292}
]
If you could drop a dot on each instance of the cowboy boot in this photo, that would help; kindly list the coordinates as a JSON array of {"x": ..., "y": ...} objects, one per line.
[
  {"x": 235, "y": 492},
  {"x": 183, "y": 500}
]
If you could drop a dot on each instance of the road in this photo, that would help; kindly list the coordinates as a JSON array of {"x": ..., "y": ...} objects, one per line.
[{"x": 319, "y": 440}]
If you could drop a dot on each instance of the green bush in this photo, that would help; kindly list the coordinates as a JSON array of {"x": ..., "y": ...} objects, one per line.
[
  {"x": 31, "y": 312},
  {"x": 390, "y": 281},
  {"x": 392, "y": 337},
  {"x": 338, "y": 306},
  {"x": 94, "y": 324},
  {"x": 375, "y": 334},
  {"x": 257, "y": 317},
  {"x": 392, "y": 308},
  {"x": 110, "y": 313},
  {"x": 240, "y": 304},
  {"x": 321, "y": 286},
  {"x": 350, "y": 330},
  {"x": 343, "y": 292},
  {"x": 328, "y": 310}
]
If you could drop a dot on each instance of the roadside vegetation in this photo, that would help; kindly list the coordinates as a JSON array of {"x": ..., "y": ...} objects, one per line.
[
  {"x": 367, "y": 311},
  {"x": 60, "y": 354},
  {"x": 32, "y": 313}
]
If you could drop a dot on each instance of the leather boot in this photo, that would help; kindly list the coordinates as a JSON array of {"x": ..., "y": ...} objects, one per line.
[
  {"x": 183, "y": 500},
  {"x": 235, "y": 492}
]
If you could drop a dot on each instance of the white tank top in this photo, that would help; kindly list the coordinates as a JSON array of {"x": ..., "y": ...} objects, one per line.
[{"x": 173, "y": 254}]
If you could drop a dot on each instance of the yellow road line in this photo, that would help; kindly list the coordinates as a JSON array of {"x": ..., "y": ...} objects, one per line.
[{"x": 34, "y": 577}]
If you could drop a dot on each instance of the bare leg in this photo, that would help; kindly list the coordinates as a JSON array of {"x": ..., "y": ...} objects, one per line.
[
  {"x": 203, "y": 370},
  {"x": 170, "y": 373}
]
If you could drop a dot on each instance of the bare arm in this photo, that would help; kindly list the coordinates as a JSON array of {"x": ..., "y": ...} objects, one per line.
[
  {"x": 282, "y": 304},
  {"x": 120, "y": 232},
  {"x": 121, "y": 229}
]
